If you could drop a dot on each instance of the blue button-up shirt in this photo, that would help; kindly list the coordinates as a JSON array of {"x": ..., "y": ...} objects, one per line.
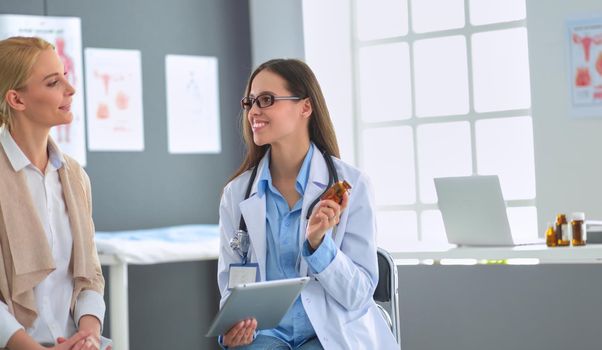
[{"x": 284, "y": 253}]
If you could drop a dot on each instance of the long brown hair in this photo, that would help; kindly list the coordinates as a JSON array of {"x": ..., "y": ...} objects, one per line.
[{"x": 300, "y": 81}]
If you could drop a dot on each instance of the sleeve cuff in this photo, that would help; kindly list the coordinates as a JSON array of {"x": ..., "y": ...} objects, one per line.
[
  {"x": 220, "y": 340},
  {"x": 89, "y": 302},
  {"x": 321, "y": 257},
  {"x": 9, "y": 327}
]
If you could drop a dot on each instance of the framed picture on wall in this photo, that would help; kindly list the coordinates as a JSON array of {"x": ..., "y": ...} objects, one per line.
[
  {"x": 585, "y": 67},
  {"x": 114, "y": 99}
]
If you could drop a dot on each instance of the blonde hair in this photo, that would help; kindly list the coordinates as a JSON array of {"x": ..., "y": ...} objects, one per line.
[
  {"x": 300, "y": 81},
  {"x": 17, "y": 57}
]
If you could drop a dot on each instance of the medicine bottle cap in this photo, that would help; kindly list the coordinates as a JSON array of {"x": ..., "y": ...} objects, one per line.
[{"x": 578, "y": 216}]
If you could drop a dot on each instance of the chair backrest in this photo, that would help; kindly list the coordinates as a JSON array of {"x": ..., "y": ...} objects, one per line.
[{"x": 386, "y": 294}]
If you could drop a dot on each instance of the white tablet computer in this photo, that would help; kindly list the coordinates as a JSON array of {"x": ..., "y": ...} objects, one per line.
[{"x": 267, "y": 302}]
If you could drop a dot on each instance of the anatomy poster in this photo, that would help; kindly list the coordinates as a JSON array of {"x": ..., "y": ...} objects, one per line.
[
  {"x": 585, "y": 67},
  {"x": 192, "y": 104},
  {"x": 65, "y": 34},
  {"x": 114, "y": 100}
]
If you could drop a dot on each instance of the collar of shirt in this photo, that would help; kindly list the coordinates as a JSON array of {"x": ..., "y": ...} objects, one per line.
[
  {"x": 265, "y": 179},
  {"x": 19, "y": 160}
]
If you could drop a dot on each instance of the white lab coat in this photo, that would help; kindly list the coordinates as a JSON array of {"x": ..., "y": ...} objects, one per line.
[{"x": 338, "y": 301}]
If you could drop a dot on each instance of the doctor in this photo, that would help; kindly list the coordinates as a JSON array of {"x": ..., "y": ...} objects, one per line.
[{"x": 289, "y": 134}]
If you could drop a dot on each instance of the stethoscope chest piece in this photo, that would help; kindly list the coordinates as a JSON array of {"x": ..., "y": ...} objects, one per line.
[{"x": 240, "y": 243}]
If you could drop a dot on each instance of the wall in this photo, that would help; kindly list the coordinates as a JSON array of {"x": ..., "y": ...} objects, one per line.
[
  {"x": 276, "y": 30},
  {"x": 567, "y": 165},
  {"x": 154, "y": 188},
  {"x": 169, "y": 303}
]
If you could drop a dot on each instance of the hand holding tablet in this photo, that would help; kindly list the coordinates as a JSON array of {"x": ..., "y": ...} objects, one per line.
[{"x": 266, "y": 302}]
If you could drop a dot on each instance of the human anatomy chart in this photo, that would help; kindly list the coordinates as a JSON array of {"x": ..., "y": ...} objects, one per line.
[
  {"x": 65, "y": 34},
  {"x": 192, "y": 104},
  {"x": 585, "y": 66},
  {"x": 114, "y": 100}
]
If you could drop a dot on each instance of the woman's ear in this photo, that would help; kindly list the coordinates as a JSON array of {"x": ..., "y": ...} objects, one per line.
[
  {"x": 307, "y": 109},
  {"x": 14, "y": 100}
]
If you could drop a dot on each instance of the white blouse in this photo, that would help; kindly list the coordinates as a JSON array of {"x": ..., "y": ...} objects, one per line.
[{"x": 53, "y": 294}]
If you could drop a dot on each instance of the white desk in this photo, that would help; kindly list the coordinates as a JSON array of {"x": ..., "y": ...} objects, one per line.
[
  {"x": 162, "y": 246},
  {"x": 526, "y": 254},
  {"x": 476, "y": 306}
]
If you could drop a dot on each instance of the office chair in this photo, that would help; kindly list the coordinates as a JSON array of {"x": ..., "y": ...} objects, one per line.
[{"x": 386, "y": 295}]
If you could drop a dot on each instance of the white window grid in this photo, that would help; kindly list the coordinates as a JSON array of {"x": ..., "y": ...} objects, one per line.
[{"x": 414, "y": 121}]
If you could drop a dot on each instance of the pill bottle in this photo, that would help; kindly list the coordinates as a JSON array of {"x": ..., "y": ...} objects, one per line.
[
  {"x": 578, "y": 231},
  {"x": 562, "y": 231},
  {"x": 551, "y": 240},
  {"x": 335, "y": 193}
]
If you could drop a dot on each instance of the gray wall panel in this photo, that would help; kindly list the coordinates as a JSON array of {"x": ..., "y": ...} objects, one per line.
[
  {"x": 153, "y": 188},
  {"x": 22, "y": 7}
]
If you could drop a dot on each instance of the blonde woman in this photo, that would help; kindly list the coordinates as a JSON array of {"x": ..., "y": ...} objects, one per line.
[{"x": 51, "y": 283}]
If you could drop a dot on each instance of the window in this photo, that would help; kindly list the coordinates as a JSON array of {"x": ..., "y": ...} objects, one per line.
[{"x": 439, "y": 88}]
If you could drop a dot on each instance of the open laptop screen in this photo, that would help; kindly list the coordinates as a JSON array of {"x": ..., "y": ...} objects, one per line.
[{"x": 473, "y": 210}]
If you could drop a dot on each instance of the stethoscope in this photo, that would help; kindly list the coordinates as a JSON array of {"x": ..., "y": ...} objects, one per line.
[{"x": 241, "y": 242}]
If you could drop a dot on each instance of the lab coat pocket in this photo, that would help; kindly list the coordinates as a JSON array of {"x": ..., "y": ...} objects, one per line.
[
  {"x": 361, "y": 328},
  {"x": 366, "y": 328}
]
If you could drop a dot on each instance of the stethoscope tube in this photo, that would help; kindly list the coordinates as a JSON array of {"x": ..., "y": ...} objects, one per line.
[
  {"x": 242, "y": 226},
  {"x": 333, "y": 177}
]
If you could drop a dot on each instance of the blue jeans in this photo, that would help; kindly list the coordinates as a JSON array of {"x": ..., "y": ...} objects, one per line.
[{"x": 265, "y": 342}]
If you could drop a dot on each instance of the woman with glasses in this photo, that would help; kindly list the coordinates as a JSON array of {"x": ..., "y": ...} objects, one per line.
[
  {"x": 276, "y": 193},
  {"x": 51, "y": 283}
]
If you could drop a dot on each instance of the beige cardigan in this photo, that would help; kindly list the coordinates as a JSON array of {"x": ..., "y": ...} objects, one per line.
[{"x": 25, "y": 256}]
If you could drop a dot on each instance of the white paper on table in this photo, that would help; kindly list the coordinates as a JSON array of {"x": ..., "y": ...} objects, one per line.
[
  {"x": 193, "y": 124},
  {"x": 114, "y": 100},
  {"x": 65, "y": 34}
]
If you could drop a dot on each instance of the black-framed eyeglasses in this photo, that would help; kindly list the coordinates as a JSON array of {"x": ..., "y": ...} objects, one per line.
[{"x": 264, "y": 100}]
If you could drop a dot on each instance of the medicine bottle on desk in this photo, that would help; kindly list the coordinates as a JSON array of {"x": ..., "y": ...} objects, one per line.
[
  {"x": 551, "y": 240},
  {"x": 562, "y": 231},
  {"x": 578, "y": 228}
]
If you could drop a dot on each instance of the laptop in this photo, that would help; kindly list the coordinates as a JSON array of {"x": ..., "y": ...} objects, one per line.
[{"x": 474, "y": 212}]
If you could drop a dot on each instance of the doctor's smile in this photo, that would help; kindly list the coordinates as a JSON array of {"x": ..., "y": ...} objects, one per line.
[{"x": 258, "y": 125}]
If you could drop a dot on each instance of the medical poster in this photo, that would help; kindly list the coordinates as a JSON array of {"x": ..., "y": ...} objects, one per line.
[
  {"x": 193, "y": 124},
  {"x": 114, "y": 100},
  {"x": 65, "y": 34},
  {"x": 585, "y": 67}
]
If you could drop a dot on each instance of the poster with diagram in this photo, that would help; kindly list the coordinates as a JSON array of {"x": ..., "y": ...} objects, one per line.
[
  {"x": 65, "y": 34},
  {"x": 114, "y": 100},
  {"x": 193, "y": 120},
  {"x": 585, "y": 66}
]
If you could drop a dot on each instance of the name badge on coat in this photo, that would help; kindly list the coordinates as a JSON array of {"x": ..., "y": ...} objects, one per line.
[{"x": 242, "y": 274}]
